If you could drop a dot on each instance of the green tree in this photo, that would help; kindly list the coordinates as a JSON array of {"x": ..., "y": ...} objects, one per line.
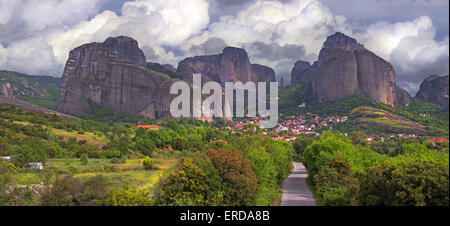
[
  {"x": 358, "y": 137},
  {"x": 147, "y": 163},
  {"x": 84, "y": 159},
  {"x": 407, "y": 182}
]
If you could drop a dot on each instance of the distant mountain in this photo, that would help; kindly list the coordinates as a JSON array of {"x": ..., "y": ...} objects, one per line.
[
  {"x": 39, "y": 90},
  {"x": 346, "y": 68},
  {"x": 434, "y": 89}
]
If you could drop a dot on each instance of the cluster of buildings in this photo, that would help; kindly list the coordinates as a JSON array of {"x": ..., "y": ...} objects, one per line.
[{"x": 307, "y": 124}]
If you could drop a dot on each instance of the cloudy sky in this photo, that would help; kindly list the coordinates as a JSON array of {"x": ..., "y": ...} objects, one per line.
[{"x": 37, "y": 35}]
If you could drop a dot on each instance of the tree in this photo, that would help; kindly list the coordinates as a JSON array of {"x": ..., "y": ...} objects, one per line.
[
  {"x": 180, "y": 143},
  {"x": 239, "y": 182},
  {"x": 147, "y": 163},
  {"x": 128, "y": 196},
  {"x": 407, "y": 182},
  {"x": 84, "y": 159},
  {"x": 335, "y": 183},
  {"x": 358, "y": 137},
  {"x": 300, "y": 145},
  {"x": 70, "y": 191},
  {"x": 185, "y": 186},
  {"x": 32, "y": 151}
]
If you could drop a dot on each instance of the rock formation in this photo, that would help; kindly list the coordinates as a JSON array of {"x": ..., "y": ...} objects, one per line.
[
  {"x": 346, "y": 68},
  {"x": 434, "y": 89},
  {"x": 402, "y": 97},
  {"x": 112, "y": 74},
  {"x": 301, "y": 71},
  {"x": 231, "y": 66}
]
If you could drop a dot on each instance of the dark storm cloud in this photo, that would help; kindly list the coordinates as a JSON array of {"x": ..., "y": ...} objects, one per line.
[{"x": 411, "y": 77}]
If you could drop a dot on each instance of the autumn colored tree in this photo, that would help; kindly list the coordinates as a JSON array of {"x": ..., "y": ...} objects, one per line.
[{"x": 239, "y": 183}]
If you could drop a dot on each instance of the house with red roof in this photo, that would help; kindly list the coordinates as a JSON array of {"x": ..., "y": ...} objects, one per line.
[{"x": 147, "y": 127}]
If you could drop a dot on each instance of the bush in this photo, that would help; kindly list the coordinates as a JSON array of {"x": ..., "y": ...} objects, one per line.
[
  {"x": 335, "y": 183},
  {"x": 180, "y": 143},
  {"x": 186, "y": 186},
  {"x": 117, "y": 160},
  {"x": 128, "y": 196},
  {"x": 300, "y": 145},
  {"x": 147, "y": 163},
  {"x": 69, "y": 191},
  {"x": 406, "y": 183},
  {"x": 84, "y": 159},
  {"x": 239, "y": 182}
]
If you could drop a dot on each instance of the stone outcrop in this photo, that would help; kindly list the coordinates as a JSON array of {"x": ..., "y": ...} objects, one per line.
[
  {"x": 301, "y": 71},
  {"x": 402, "y": 97},
  {"x": 434, "y": 89},
  {"x": 112, "y": 74},
  {"x": 346, "y": 68},
  {"x": 231, "y": 65},
  {"x": 263, "y": 73}
]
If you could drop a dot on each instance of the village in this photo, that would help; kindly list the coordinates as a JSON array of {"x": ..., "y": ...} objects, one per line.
[{"x": 312, "y": 124}]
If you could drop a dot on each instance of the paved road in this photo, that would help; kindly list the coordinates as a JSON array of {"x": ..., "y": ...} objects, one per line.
[{"x": 295, "y": 189}]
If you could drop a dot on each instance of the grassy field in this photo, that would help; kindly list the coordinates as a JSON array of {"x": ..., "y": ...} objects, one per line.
[
  {"x": 131, "y": 172},
  {"x": 386, "y": 120},
  {"x": 88, "y": 136}
]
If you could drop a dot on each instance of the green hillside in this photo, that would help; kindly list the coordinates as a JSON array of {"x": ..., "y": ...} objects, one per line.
[
  {"x": 419, "y": 117},
  {"x": 39, "y": 90}
]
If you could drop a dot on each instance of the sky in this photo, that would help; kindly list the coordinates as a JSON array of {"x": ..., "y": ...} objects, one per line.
[{"x": 37, "y": 35}]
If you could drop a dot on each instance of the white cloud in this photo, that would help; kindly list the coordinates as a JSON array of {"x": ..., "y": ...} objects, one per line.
[
  {"x": 37, "y": 36},
  {"x": 411, "y": 47}
]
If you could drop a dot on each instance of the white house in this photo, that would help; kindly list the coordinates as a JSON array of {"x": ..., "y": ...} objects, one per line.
[
  {"x": 36, "y": 165},
  {"x": 6, "y": 157}
]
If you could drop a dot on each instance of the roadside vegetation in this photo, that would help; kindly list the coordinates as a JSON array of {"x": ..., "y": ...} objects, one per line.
[{"x": 346, "y": 171}]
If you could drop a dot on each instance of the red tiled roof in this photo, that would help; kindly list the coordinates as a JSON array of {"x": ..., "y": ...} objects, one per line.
[
  {"x": 147, "y": 126},
  {"x": 221, "y": 141},
  {"x": 437, "y": 140}
]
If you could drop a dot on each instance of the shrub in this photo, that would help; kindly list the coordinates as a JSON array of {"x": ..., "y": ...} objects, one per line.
[
  {"x": 406, "y": 183},
  {"x": 147, "y": 163},
  {"x": 186, "y": 186},
  {"x": 128, "y": 196},
  {"x": 239, "y": 182},
  {"x": 300, "y": 145},
  {"x": 69, "y": 191},
  {"x": 84, "y": 159},
  {"x": 180, "y": 143},
  {"x": 335, "y": 183}
]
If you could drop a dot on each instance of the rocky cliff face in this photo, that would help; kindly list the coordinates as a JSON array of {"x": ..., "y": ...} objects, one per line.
[
  {"x": 301, "y": 71},
  {"x": 346, "y": 68},
  {"x": 434, "y": 89},
  {"x": 112, "y": 74},
  {"x": 402, "y": 97},
  {"x": 231, "y": 66}
]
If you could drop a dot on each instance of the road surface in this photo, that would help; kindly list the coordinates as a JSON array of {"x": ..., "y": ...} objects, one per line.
[{"x": 295, "y": 189}]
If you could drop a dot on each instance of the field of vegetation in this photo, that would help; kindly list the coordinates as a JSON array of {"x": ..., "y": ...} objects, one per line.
[{"x": 88, "y": 162}]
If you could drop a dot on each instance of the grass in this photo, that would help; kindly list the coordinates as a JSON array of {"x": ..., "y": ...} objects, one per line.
[
  {"x": 131, "y": 171},
  {"x": 385, "y": 120},
  {"x": 88, "y": 136}
]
